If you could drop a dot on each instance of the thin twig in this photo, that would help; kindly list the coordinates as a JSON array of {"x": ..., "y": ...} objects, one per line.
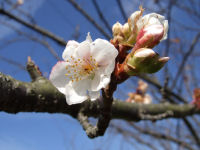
[
  {"x": 192, "y": 131},
  {"x": 89, "y": 18},
  {"x": 126, "y": 132},
  {"x": 35, "y": 28},
  {"x": 12, "y": 62},
  {"x": 185, "y": 58},
  {"x": 105, "y": 105},
  {"x": 36, "y": 39},
  {"x": 158, "y": 86},
  {"x": 122, "y": 10},
  {"x": 162, "y": 136},
  {"x": 33, "y": 70},
  {"x": 101, "y": 16}
]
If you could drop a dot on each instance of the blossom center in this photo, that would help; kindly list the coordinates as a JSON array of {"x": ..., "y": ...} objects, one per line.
[{"x": 81, "y": 68}]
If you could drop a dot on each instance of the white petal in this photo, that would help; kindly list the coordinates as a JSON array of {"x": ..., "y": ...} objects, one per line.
[
  {"x": 83, "y": 51},
  {"x": 70, "y": 49},
  {"x": 93, "y": 95},
  {"x": 154, "y": 29},
  {"x": 82, "y": 86},
  {"x": 88, "y": 38},
  {"x": 165, "y": 30},
  {"x": 144, "y": 52},
  {"x": 150, "y": 19},
  {"x": 61, "y": 89},
  {"x": 72, "y": 97},
  {"x": 57, "y": 75},
  {"x": 103, "y": 51},
  {"x": 108, "y": 69},
  {"x": 100, "y": 81}
]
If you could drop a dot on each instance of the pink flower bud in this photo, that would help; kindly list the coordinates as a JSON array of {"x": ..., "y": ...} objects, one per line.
[{"x": 149, "y": 36}]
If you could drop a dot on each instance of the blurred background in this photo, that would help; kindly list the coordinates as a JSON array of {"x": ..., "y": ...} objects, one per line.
[{"x": 40, "y": 28}]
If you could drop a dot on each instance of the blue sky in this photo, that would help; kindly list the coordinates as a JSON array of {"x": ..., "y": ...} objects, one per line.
[{"x": 44, "y": 131}]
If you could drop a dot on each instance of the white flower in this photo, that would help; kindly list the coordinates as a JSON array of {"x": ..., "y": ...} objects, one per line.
[
  {"x": 86, "y": 69},
  {"x": 149, "y": 20}
]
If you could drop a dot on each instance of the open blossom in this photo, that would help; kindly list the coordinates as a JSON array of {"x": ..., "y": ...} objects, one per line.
[
  {"x": 86, "y": 69},
  {"x": 151, "y": 29}
]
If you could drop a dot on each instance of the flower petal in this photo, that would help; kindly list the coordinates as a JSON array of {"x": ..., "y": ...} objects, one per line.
[
  {"x": 69, "y": 49},
  {"x": 72, "y": 97},
  {"x": 100, "y": 81},
  {"x": 103, "y": 52},
  {"x": 82, "y": 86},
  {"x": 83, "y": 51},
  {"x": 165, "y": 30},
  {"x": 88, "y": 38},
  {"x": 57, "y": 75},
  {"x": 93, "y": 95}
]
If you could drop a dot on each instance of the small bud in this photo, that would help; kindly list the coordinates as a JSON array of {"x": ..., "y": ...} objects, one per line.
[
  {"x": 116, "y": 29},
  {"x": 149, "y": 36},
  {"x": 145, "y": 60},
  {"x": 126, "y": 30}
]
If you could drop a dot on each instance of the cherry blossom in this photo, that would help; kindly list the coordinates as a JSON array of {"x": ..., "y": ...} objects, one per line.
[{"x": 86, "y": 69}]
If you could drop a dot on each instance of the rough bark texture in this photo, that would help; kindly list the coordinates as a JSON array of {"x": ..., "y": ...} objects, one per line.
[{"x": 41, "y": 96}]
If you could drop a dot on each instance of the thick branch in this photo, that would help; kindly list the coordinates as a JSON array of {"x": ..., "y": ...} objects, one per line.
[{"x": 41, "y": 96}]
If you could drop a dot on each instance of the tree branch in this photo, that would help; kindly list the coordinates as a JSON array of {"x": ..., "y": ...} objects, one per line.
[{"x": 41, "y": 96}]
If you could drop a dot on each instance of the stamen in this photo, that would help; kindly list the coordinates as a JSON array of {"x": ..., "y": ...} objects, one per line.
[{"x": 79, "y": 69}]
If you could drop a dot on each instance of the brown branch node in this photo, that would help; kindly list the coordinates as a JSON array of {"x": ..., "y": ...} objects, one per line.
[{"x": 33, "y": 69}]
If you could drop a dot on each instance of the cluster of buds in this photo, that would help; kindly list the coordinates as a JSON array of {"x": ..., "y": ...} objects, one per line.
[
  {"x": 141, "y": 34},
  {"x": 140, "y": 95},
  {"x": 126, "y": 34}
]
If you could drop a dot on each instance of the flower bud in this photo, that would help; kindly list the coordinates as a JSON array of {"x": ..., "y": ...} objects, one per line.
[
  {"x": 145, "y": 60},
  {"x": 126, "y": 30},
  {"x": 149, "y": 36},
  {"x": 116, "y": 29}
]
